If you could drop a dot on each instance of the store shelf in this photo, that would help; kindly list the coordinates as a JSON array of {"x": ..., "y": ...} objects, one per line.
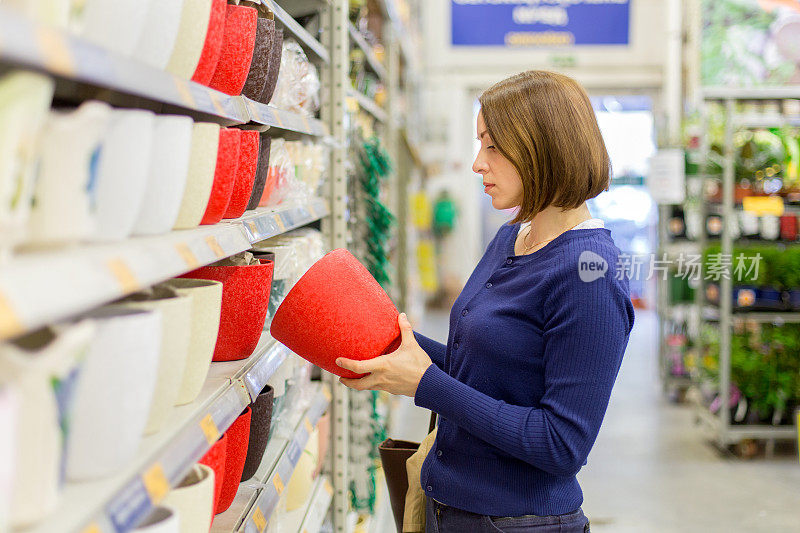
[
  {"x": 292, "y": 26},
  {"x": 29, "y": 44},
  {"x": 765, "y": 121},
  {"x": 407, "y": 48},
  {"x": 284, "y": 120},
  {"x": 711, "y": 314},
  {"x": 372, "y": 59},
  {"x": 257, "y": 499},
  {"x": 368, "y": 104},
  {"x": 117, "y": 503},
  {"x": 38, "y": 288},
  {"x": 736, "y": 433},
  {"x": 753, "y": 93}
]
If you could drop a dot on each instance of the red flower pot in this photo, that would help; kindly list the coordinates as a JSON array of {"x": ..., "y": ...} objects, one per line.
[
  {"x": 224, "y": 175},
  {"x": 212, "y": 46},
  {"x": 215, "y": 460},
  {"x": 245, "y": 174},
  {"x": 337, "y": 309},
  {"x": 235, "y": 455},
  {"x": 245, "y": 298},
  {"x": 237, "y": 50}
]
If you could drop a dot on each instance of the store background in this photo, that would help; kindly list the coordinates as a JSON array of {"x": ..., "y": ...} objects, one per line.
[{"x": 366, "y": 143}]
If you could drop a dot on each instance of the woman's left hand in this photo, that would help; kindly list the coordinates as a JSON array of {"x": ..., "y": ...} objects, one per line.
[{"x": 398, "y": 372}]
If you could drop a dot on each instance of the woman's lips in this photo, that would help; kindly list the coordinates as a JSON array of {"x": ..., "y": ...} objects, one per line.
[{"x": 487, "y": 187}]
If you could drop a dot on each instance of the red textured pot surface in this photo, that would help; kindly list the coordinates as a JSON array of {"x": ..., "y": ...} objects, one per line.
[
  {"x": 789, "y": 227},
  {"x": 245, "y": 297},
  {"x": 337, "y": 309},
  {"x": 237, "y": 50},
  {"x": 245, "y": 174},
  {"x": 224, "y": 175},
  {"x": 212, "y": 47},
  {"x": 215, "y": 460},
  {"x": 235, "y": 455}
]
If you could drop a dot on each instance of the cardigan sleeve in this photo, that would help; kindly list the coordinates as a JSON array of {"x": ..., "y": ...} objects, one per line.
[
  {"x": 582, "y": 356},
  {"x": 435, "y": 350}
]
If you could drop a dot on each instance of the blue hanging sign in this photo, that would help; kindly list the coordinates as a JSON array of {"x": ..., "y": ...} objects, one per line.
[{"x": 535, "y": 23}]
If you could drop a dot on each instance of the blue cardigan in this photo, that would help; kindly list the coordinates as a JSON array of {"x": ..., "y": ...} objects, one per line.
[{"x": 522, "y": 386}]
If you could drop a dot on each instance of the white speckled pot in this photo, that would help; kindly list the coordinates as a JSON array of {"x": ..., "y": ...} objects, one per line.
[
  {"x": 169, "y": 167},
  {"x": 202, "y": 164},
  {"x": 193, "y": 500},
  {"x": 114, "y": 393},
  {"x": 206, "y": 305},
  {"x": 176, "y": 312},
  {"x": 115, "y": 25},
  {"x": 191, "y": 37},
  {"x": 160, "y": 31}
]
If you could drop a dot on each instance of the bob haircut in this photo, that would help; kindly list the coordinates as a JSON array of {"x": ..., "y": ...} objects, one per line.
[{"x": 544, "y": 124}]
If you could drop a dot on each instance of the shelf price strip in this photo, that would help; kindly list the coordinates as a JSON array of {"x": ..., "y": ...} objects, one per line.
[
  {"x": 10, "y": 324},
  {"x": 155, "y": 483},
  {"x": 92, "y": 528},
  {"x": 210, "y": 429},
  {"x": 124, "y": 276},
  {"x": 185, "y": 93},
  {"x": 56, "y": 53},
  {"x": 259, "y": 520},
  {"x": 187, "y": 255},
  {"x": 213, "y": 243}
]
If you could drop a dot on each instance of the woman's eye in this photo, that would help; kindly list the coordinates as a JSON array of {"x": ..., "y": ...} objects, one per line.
[{"x": 491, "y": 147}]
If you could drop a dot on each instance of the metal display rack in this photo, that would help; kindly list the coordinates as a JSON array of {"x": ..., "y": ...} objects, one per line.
[
  {"x": 723, "y": 432},
  {"x": 31, "y": 296}
]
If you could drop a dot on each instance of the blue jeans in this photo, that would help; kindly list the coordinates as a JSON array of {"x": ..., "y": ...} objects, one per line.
[{"x": 441, "y": 518}]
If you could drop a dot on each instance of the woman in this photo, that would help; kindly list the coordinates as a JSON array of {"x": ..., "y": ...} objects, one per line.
[{"x": 536, "y": 336}]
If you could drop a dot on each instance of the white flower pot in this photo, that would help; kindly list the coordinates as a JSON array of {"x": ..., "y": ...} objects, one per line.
[
  {"x": 176, "y": 312},
  {"x": 206, "y": 304},
  {"x": 202, "y": 164},
  {"x": 64, "y": 188},
  {"x": 160, "y": 31},
  {"x": 114, "y": 393},
  {"x": 193, "y": 500},
  {"x": 39, "y": 365},
  {"x": 115, "y": 25},
  {"x": 24, "y": 102},
  {"x": 50, "y": 12},
  {"x": 169, "y": 166},
  {"x": 191, "y": 37},
  {"x": 161, "y": 520},
  {"x": 123, "y": 167},
  {"x": 8, "y": 435}
]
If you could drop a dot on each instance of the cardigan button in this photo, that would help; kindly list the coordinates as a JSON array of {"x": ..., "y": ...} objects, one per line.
[
  {"x": 429, "y": 488},
  {"x": 489, "y": 285},
  {"x": 455, "y": 346},
  {"x": 439, "y": 453},
  {"x": 509, "y": 261},
  {"x": 464, "y": 312}
]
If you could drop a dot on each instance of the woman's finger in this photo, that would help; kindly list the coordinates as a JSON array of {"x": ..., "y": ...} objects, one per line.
[
  {"x": 365, "y": 383},
  {"x": 406, "y": 331},
  {"x": 359, "y": 367}
]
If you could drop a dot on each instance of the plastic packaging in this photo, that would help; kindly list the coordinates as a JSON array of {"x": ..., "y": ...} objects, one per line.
[{"x": 298, "y": 81}]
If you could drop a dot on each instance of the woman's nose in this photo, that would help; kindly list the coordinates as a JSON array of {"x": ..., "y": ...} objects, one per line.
[{"x": 479, "y": 165}]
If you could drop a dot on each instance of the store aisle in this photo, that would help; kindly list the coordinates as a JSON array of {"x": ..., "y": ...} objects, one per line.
[{"x": 650, "y": 470}]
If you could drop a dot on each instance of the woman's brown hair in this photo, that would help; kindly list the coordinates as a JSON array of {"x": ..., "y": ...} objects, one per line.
[{"x": 544, "y": 124}]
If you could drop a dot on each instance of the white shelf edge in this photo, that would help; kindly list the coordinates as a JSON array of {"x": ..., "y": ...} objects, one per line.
[
  {"x": 310, "y": 517},
  {"x": 305, "y": 38},
  {"x": 368, "y": 104},
  {"x": 34, "y": 289},
  {"x": 284, "y": 120},
  {"x": 754, "y": 93},
  {"x": 372, "y": 59}
]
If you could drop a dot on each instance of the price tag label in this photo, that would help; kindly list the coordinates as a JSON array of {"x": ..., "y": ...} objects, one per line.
[
  {"x": 259, "y": 520},
  {"x": 155, "y": 483},
  {"x": 763, "y": 205},
  {"x": 328, "y": 488},
  {"x": 278, "y": 482},
  {"x": 306, "y": 123},
  {"x": 185, "y": 92},
  {"x": 253, "y": 227},
  {"x": 10, "y": 324},
  {"x": 55, "y": 51},
  {"x": 327, "y": 393},
  {"x": 308, "y": 425},
  {"x": 92, "y": 528},
  {"x": 210, "y": 429},
  {"x": 214, "y": 245},
  {"x": 216, "y": 103},
  {"x": 279, "y": 222},
  {"x": 124, "y": 275},
  {"x": 187, "y": 255}
]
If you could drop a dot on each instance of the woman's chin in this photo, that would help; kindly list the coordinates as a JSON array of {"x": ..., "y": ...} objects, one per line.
[{"x": 500, "y": 205}]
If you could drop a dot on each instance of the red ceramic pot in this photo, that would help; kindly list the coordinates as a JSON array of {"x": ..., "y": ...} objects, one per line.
[
  {"x": 337, "y": 309},
  {"x": 212, "y": 46},
  {"x": 245, "y": 174},
  {"x": 235, "y": 456},
  {"x": 215, "y": 460},
  {"x": 237, "y": 50},
  {"x": 245, "y": 298},
  {"x": 224, "y": 175}
]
